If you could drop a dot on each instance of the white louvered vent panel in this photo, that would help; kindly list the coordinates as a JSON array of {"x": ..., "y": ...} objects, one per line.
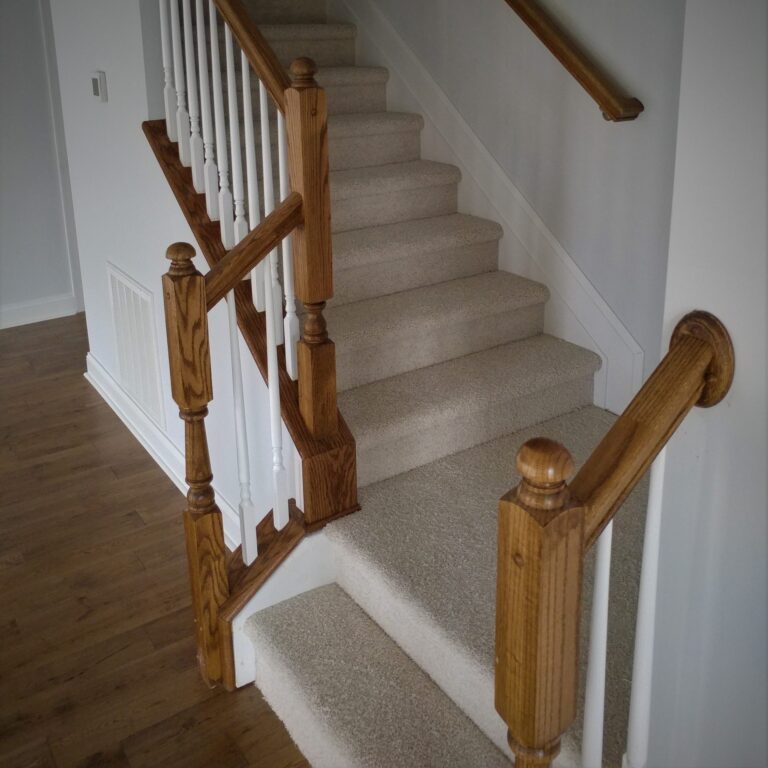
[{"x": 133, "y": 318}]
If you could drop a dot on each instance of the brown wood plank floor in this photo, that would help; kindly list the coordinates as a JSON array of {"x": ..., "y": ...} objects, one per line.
[{"x": 97, "y": 659}]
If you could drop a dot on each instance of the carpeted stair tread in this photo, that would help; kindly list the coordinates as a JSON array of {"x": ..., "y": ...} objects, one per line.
[
  {"x": 385, "y": 410},
  {"x": 420, "y": 558},
  {"x": 329, "y": 77},
  {"x": 373, "y": 123},
  {"x": 392, "y": 178},
  {"x": 387, "y": 318},
  {"x": 282, "y": 12},
  {"x": 350, "y": 697},
  {"x": 295, "y": 31},
  {"x": 408, "y": 240}
]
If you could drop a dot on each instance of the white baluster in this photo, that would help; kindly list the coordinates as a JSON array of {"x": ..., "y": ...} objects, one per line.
[
  {"x": 226, "y": 215},
  {"x": 269, "y": 206},
  {"x": 279, "y": 475},
  {"x": 169, "y": 92},
  {"x": 241, "y": 225},
  {"x": 195, "y": 140},
  {"x": 594, "y": 701},
  {"x": 182, "y": 116},
  {"x": 642, "y": 667},
  {"x": 291, "y": 318},
  {"x": 254, "y": 214},
  {"x": 247, "y": 509},
  {"x": 210, "y": 171}
]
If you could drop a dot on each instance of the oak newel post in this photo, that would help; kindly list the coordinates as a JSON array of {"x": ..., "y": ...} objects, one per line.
[
  {"x": 540, "y": 549},
  {"x": 306, "y": 116},
  {"x": 186, "y": 321}
]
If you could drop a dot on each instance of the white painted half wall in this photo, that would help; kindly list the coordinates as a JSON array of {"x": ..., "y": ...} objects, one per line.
[
  {"x": 39, "y": 273},
  {"x": 709, "y": 705}
]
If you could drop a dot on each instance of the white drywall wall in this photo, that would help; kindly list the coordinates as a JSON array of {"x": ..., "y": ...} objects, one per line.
[
  {"x": 39, "y": 277},
  {"x": 710, "y": 683},
  {"x": 603, "y": 190}
]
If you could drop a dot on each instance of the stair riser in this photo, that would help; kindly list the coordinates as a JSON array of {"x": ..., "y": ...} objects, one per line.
[
  {"x": 347, "y": 152},
  {"x": 395, "y": 355},
  {"x": 283, "y": 12},
  {"x": 455, "y": 432},
  {"x": 325, "y": 53},
  {"x": 388, "y": 208},
  {"x": 384, "y": 278}
]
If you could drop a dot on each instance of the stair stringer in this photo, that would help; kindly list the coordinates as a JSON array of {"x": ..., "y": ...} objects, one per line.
[{"x": 575, "y": 311}]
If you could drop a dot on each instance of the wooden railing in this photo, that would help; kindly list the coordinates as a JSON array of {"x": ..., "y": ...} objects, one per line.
[
  {"x": 546, "y": 527},
  {"x": 615, "y": 104},
  {"x": 241, "y": 230}
]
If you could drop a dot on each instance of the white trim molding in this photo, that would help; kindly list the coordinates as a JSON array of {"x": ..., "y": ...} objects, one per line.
[
  {"x": 37, "y": 310},
  {"x": 576, "y": 312},
  {"x": 157, "y": 444}
]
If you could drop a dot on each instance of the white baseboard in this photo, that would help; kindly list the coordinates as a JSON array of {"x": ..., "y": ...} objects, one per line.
[
  {"x": 168, "y": 457},
  {"x": 575, "y": 312},
  {"x": 48, "y": 308}
]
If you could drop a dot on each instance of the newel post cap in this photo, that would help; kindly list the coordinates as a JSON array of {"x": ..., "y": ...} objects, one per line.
[
  {"x": 545, "y": 467},
  {"x": 180, "y": 255},
  {"x": 303, "y": 72}
]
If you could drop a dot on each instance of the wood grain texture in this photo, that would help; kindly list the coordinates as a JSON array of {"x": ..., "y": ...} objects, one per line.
[
  {"x": 97, "y": 666},
  {"x": 615, "y": 104},
  {"x": 186, "y": 320},
  {"x": 538, "y": 598},
  {"x": 253, "y": 248},
  {"x": 698, "y": 369},
  {"x": 325, "y": 496},
  {"x": 256, "y": 49}
]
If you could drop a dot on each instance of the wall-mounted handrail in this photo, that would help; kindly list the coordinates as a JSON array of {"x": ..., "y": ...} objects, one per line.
[
  {"x": 615, "y": 104},
  {"x": 257, "y": 50},
  {"x": 546, "y": 528}
]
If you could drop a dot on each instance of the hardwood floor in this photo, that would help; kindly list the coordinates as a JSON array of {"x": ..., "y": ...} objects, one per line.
[{"x": 97, "y": 659}]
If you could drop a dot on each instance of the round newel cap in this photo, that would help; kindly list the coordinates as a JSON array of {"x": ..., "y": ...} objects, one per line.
[
  {"x": 544, "y": 462},
  {"x": 180, "y": 252},
  {"x": 303, "y": 72},
  {"x": 719, "y": 377}
]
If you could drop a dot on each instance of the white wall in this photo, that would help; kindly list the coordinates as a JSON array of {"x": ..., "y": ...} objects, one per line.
[
  {"x": 603, "y": 190},
  {"x": 710, "y": 684},
  {"x": 39, "y": 277}
]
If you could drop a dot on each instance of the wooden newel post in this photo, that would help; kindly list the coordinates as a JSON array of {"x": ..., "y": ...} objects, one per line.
[
  {"x": 306, "y": 117},
  {"x": 538, "y": 595},
  {"x": 186, "y": 320}
]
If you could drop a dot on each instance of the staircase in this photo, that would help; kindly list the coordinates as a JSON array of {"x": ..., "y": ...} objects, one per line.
[{"x": 443, "y": 370}]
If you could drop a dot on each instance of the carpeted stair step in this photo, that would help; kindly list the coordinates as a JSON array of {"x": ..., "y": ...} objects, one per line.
[
  {"x": 420, "y": 416},
  {"x": 350, "y": 697},
  {"x": 384, "y": 194},
  {"x": 358, "y": 140},
  {"x": 377, "y": 261},
  {"x": 388, "y": 335},
  {"x": 285, "y": 12},
  {"x": 420, "y": 558}
]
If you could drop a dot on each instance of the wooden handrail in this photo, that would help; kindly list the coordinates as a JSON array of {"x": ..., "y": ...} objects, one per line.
[
  {"x": 615, "y": 104},
  {"x": 256, "y": 49},
  {"x": 254, "y": 247},
  {"x": 697, "y": 370},
  {"x": 546, "y": 527}
]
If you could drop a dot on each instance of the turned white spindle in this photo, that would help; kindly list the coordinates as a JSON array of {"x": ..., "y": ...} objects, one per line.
[
  {"x": 269, "y": 206},
  {"x": 195, "y": 139},
  {"x": 246, "y": 507},
  {"x": 238, "y": 191},
  {"x": 210, "y": 171},
  {"x": 252, "y": 175},
  {"x": 226, "y": 214},
  {"x": 594, "y": 698},
  {"x": 169, "y": 92},
  {"x": 182, "y": 116},
  {"x": 640, "y": 699},
  {"x": 279, "y": 474},
  {"x": 291, "y": 323}
]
